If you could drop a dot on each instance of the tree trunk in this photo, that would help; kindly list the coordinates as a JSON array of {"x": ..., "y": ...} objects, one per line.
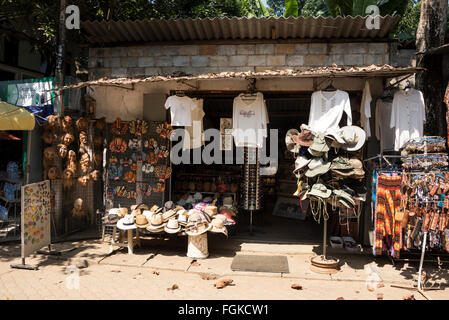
[{"x": 431, "y": 34}]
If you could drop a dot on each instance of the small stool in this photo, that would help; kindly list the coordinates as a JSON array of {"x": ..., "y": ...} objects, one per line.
[
  {"x": 130, "y": 241},
  {"x": 197, "y": 246}
]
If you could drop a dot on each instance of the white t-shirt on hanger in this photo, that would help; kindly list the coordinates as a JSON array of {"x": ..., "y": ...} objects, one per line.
[
  {"x": 327, "y": 108},
  {"x": 180, "y": 110},
  {"x": 249, "y": 121},
  {"x": 195, "y": 135},
  {"x": 407, "y": 116}
]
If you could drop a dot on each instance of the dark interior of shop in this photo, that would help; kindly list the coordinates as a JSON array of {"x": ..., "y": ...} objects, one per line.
[{"x": 282, "y": 218}]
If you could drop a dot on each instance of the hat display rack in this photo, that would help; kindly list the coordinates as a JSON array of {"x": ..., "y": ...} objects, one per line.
[
  {"x": 251, "y": 186},
  {"x": 135, "y": 172},
  {"x": 324, "y": 177}
]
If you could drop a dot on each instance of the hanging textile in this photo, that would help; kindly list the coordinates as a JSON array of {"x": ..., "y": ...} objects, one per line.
[
  {"x": 388, "y": 198},
  {"x": 365, "y": 110}
]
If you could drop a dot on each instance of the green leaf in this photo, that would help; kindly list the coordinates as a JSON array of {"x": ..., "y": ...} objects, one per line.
[
  {"x": 392, "y": 7},
  {"x": 262, "y": 9},
  {"x": 291, "y": 8},
  {"x": 359, "y": 7}
]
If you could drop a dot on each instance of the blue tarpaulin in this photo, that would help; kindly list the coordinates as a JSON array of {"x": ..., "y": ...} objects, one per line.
[{"x": 41, "y": 112}]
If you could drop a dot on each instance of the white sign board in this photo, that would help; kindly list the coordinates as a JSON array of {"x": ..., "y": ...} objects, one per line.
[{"x": 36, "y": 209}]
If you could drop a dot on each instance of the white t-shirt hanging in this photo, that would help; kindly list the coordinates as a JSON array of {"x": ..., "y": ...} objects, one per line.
[
  {"x": 249, "y": 121},
  {"x": 196, "y": 130},
  {"x": 384, "y": 133},
  {"x": 326, "y": 110},
  {"x": 365, "y": 110},
  {"x": 180, "y": 110},
  {"x": 407, "y": 116}
]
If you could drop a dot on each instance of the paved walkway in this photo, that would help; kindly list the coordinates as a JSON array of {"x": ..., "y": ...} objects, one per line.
[{"x": 160, "y": 264}]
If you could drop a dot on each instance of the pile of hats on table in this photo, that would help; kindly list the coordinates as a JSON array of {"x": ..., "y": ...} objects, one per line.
[
  {"x": 171, "y": 219},
  {"x": 328, "y": 177}
]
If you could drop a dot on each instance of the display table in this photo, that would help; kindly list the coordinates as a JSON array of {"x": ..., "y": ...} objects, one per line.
[{"x": 131, "y": 241}]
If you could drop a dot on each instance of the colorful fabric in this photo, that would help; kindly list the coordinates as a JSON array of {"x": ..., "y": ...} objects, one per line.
[{"x": 388, "y": 198}]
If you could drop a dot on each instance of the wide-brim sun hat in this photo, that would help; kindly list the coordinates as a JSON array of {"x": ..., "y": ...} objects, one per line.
[
  {"x": 319, "y": 190},
  {"x": 291, "y": 145},
  {"x": 317, "y": 167},
  {"x": 304, "y": 138},
  {"x": 321, "y": 144},
  {"x": 301, "y": 163},
  {"x": 219, "y": 227},
  {"x": 341, "y": 163},
  {"x": 126, "y": 223},
  {"x": 199, "y": 229},
  {"x": 345, "y": 196},
  {"x": 354, "y": 137}
]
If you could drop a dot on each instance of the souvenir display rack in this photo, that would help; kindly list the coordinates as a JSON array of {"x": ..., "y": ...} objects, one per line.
[
  {"x": 139, "y": 173},
  {"x": 65, "y": 190}
]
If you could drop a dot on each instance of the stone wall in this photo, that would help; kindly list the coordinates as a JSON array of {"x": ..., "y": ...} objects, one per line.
[{"x": 197, "y": 59}]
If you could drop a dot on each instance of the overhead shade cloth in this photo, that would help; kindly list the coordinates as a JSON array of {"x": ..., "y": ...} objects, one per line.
[{"x": 15, "y": 118}]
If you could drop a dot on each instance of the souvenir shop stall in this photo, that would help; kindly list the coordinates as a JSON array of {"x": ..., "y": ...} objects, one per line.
[{"x": 136, "y": 187}]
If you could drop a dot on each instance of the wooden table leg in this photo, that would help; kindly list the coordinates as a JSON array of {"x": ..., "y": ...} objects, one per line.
[
  {"x": 138, "y": 237},
  {"x": 114, "y": 233},
  {"x": 130, "y": 242}
]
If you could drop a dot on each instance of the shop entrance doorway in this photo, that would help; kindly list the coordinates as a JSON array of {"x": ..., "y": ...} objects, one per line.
[{"x": 283, "y": 218}]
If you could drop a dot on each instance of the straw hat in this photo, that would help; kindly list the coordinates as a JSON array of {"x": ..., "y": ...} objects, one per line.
[
  {"x": 148, "y": 214},
  {"x": 141, "y": 221},
  {"x": 169, "y": 214},
  {"x": 155, "y": 209},
  {"x": 182, "y": 217},
  {"x": 218, "y": 226},
  {"x": 197, "y": 225},
  {"x": 192, "y": 211},
  {"x": 156, "y": 224},
  {"x": 211, "y": 210},
  {"x": 172, "y": 226}
]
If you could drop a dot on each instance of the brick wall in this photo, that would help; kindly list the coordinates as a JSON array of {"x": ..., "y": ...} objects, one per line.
[{"x": 196, "y": 59}]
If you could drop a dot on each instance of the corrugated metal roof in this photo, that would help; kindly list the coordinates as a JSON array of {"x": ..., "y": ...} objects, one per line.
[{"x": 155, "y": 30}]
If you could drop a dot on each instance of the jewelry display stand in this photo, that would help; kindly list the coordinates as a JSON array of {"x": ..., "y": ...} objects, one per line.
[{"x": 251, "y": 189}]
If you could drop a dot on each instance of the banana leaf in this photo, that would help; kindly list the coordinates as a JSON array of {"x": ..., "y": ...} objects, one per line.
[
  {"x": 291, "y": 8},
  {"x": 263, "y": 9},
  {"x": 340, "y": 7}
]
